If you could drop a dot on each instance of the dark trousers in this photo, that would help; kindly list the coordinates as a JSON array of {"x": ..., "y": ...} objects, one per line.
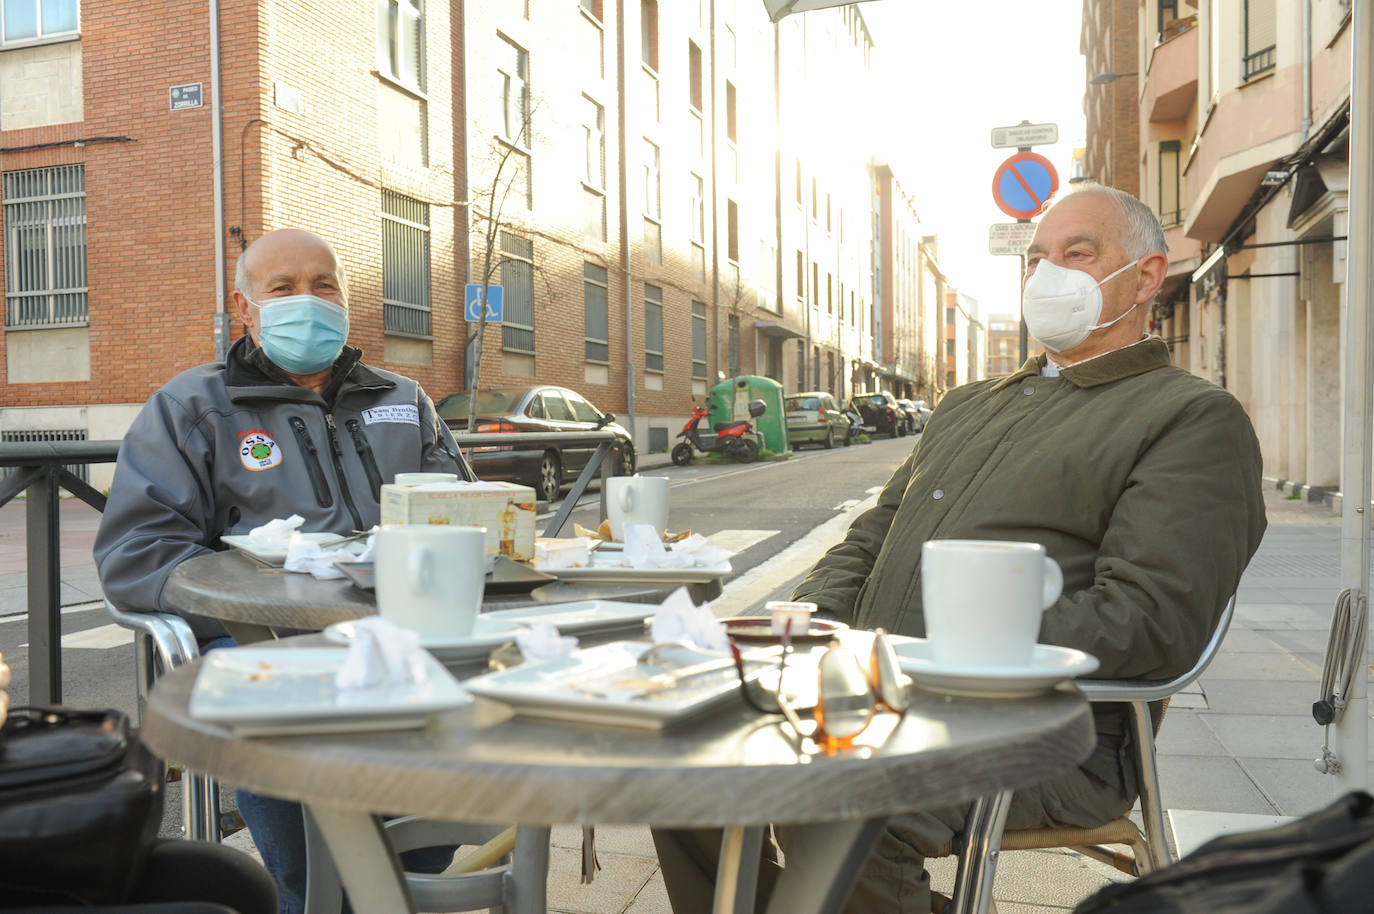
[{"x": 893, "y": 879}]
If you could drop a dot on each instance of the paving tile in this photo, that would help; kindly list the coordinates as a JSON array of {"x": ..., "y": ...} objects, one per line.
[
  {"x": 1184, "y": 733},
  {"x": 1250, "y": 594},
  {"x": 1202, "y": 782},
  {"x": 1250, "y": 696},
  {"x": 1035, "y": 881},
  {"x": 1295, "y": 787},
  {"x": 652, "y": 899},
  {"x": 1276, "y": 666},
  {"x": 1188, "y": 701},
  {"x": 1287, "y": 611},
  {"x": 1256, "y": 736},
  {"x": 617, "y": 884},
  {"x": 1308, "y": 641},
  {"x": 1254, "y": 640},
  {"x": 634, "y": 840}
]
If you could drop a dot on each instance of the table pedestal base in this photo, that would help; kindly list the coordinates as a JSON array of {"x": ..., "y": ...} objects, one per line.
[{"x": 822, "y": 862}]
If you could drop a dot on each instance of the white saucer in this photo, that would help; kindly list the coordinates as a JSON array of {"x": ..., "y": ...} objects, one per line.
[
  {"x": 487, "y": 634},
  {"x": 1049, "y": 666}
]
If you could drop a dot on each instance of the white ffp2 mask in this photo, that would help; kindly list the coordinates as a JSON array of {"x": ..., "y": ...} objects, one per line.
[{"x": 1062, "y": 306}]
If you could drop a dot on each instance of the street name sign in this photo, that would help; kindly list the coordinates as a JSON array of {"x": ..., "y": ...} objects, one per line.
[
  {"x": 1010, "y": 238},
  {"x": 1023, "y": 184},
  {"x": 473, "y": 299},
  {"x": 184, "y": 96},
  {"x": 1025, "y": 135}
]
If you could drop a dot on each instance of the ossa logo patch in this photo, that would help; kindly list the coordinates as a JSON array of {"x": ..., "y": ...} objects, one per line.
[{"x": 259, "y": 452}]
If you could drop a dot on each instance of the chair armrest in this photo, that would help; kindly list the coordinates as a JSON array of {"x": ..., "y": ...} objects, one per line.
[
  {"x": 1128, "y": 689},
  {"x": 171, "y": 634}
]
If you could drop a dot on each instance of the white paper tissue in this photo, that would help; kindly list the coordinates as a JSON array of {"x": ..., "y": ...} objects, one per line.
[
  {"x": 679, "y": 619},
  {"x": 381, "y": 654}
]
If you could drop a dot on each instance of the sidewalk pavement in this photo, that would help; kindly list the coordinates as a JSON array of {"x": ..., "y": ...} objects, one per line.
[{"x": 1240, "y": 741}]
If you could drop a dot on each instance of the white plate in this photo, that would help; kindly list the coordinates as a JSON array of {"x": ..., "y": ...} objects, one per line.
[
  {"x": 1049, "y": 666},
  {"x": 581, "y": 617},
  {"x": 608, "y": 565},
  {"x": 488, "y": 633},
  {"x": 272, "y": 555},
  {"x": 592, "y": 685},
  {"x": 262, "y": 691}
]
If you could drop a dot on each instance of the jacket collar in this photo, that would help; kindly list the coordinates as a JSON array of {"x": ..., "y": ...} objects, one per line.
[
  {"x": 1122, "y": 363},
  {"x": 250, "y": 374}
]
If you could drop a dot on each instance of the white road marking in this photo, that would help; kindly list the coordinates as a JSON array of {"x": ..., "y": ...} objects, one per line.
[
  {"x": 739, "y": 540},
  {"x": 98, "y": 639},
  {"x": 874, "y": 490},
  {"x": 846, "y": 504},
  {"x": 760, "y": 582},
  {"x": 23, "y": 614}
]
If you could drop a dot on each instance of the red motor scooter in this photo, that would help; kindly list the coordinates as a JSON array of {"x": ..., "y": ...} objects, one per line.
[{"x": 733, "y": 439}]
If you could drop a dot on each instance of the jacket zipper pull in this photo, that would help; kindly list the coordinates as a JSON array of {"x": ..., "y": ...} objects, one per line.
[{"x": 333, "y": 435}]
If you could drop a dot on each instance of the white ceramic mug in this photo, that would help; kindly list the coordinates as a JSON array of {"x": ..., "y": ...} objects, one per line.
[
  {"x": 430, "y": 577},
  {"x": 636, "y": 500},
  {"x": 420, "y": 479},
  {"x": 983, "y": 599}
]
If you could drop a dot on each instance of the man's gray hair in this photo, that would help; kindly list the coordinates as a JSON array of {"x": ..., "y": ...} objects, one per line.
[{"x": 1143, "y": 232}]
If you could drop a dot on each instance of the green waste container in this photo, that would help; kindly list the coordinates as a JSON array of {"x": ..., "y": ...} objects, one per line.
[{"x": 729, "y": 400}]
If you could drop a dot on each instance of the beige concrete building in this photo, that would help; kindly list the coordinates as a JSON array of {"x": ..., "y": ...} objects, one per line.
[{"x": 1244, "y": 112}]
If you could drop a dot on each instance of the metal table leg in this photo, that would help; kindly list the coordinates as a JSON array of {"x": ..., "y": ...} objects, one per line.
[
  {"x": 822, "y": 862},
  {"x": 367, "y": 866},
  {"x": 737, "y": 874},
  {"x": 978, "y": 863}
]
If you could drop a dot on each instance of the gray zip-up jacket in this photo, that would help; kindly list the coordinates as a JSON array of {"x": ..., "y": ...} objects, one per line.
[{"x": 226, "y": 447}]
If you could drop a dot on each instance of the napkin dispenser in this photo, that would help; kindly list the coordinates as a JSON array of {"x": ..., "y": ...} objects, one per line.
[{"x": 506, "y": 509}]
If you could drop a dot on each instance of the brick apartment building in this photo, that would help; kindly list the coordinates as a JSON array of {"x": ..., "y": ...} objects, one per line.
[
  {"x": 655, "y": 221},
  {"x": 1004, "y": 345},
  {"x": 1109, "y": 43}
]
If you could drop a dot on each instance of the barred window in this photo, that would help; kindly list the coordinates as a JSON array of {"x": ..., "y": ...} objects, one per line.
[
  {"x": 653, "y": 328},
  {"x": 596, "y": 328},
  {"x": 1260, "y": 37},
  {"x": 405, "y": 265},
  {"x": 400, "y": 41},
  {"x": 35, "y": 20},
  {"x": 699, "y": 340},
  {"x": 732, "y": 340},
  {"x": 45, "y": 246},
  {"x": 517, "y": 278}
]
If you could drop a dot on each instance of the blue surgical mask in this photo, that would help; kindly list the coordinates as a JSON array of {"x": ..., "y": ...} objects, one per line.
[{"x": 302, "y": 334}]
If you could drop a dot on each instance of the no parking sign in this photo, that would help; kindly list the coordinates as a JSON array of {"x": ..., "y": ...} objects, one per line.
[{"x": 1023, "y": 184}]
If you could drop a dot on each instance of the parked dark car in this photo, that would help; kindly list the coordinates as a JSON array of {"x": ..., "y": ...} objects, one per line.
[
  {"x": 539, "y": 408},
  {"x": 916, "y": 417},
  {"x": 881, "y": 412}
]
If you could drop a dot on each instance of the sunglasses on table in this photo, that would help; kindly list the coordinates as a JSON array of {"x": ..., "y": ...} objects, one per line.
[{"x": 848, "y": 695}]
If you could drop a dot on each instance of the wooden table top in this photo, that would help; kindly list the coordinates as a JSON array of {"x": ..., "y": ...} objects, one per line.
[
  {"x": 233, "y": 588},
  {"x": 733, "y": 766}
]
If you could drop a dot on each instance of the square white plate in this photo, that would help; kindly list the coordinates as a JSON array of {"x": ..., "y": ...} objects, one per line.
[
  {"x": 272, "y": 555},
  {"x": 260, "y": 691},
  {"x": 602, "y": 685},
  {"x": 609, "y": 565},
  {"x": 582, "y": 617}
]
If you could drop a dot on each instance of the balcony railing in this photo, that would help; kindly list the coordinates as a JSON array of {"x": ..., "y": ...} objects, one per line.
[
  {"x": 1258, "y": 62},
  {"x": 1172, "y": 219}
]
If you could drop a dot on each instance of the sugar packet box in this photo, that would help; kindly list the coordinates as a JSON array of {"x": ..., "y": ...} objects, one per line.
[{"x": 504, "y": 508}]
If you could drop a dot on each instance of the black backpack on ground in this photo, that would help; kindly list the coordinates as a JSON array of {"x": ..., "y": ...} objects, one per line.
[{"x": 1322, "y": 863}]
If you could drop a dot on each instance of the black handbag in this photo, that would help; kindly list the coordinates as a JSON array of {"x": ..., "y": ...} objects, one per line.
[
  {"x": 80, "y": 805},
  {"x": 1322, "y": 863}
]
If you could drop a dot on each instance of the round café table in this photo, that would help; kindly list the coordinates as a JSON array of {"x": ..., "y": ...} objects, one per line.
[
  {"x": 731, "y": 768},
  {"x": 252, "y": 599}
]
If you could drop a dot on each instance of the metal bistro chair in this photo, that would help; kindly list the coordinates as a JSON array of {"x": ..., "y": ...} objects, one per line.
[
  {"x": 163, "y": 642},
  {"x": 984, "y": 838}
]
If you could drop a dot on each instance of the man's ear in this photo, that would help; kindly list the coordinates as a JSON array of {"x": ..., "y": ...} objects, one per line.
[
  {"x": 242, "y": 309},
  {"x": 1153, "y": 269}
]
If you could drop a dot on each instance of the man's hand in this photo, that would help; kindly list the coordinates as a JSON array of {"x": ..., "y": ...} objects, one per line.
[{"x": 4, "y": 695}]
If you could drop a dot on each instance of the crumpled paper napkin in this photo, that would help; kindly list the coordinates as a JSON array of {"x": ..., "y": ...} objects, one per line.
[
  {"x": 308, "y": 556},
  {"x": 645, "y": 549},
  {"x": 381, "y": 654},
  {"x": 679, "y": 619},
  {"x": 543, "y": 641},
  {"x": 277, "y": 532}
]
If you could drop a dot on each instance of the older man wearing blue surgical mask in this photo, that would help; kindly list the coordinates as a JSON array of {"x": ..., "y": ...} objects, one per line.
[
  {"x": 292, "y": 422},
  {"x": 1141, "y": 480}
]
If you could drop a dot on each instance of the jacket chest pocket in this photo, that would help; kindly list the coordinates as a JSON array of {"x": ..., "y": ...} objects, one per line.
[{"x": 311, "y": 457}]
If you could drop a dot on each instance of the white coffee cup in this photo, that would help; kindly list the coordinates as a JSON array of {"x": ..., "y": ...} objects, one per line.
[
  {"x": 983, "y": 599},
  {"x": 636, "y": 500},
  {"x": 420, "y": 479},
  {"x": 430, "y": 577}
]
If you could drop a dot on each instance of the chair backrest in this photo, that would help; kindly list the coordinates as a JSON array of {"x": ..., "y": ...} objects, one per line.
[{"x": 1157, "y": 689}]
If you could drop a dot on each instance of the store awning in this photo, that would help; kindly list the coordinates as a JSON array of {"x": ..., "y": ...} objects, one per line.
[{"x": 777, "y": 329}]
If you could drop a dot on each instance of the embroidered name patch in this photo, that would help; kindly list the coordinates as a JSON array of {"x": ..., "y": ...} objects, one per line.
[
  {"x": 259, "y": 452},
  {"x": 405, "y": 413}
]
